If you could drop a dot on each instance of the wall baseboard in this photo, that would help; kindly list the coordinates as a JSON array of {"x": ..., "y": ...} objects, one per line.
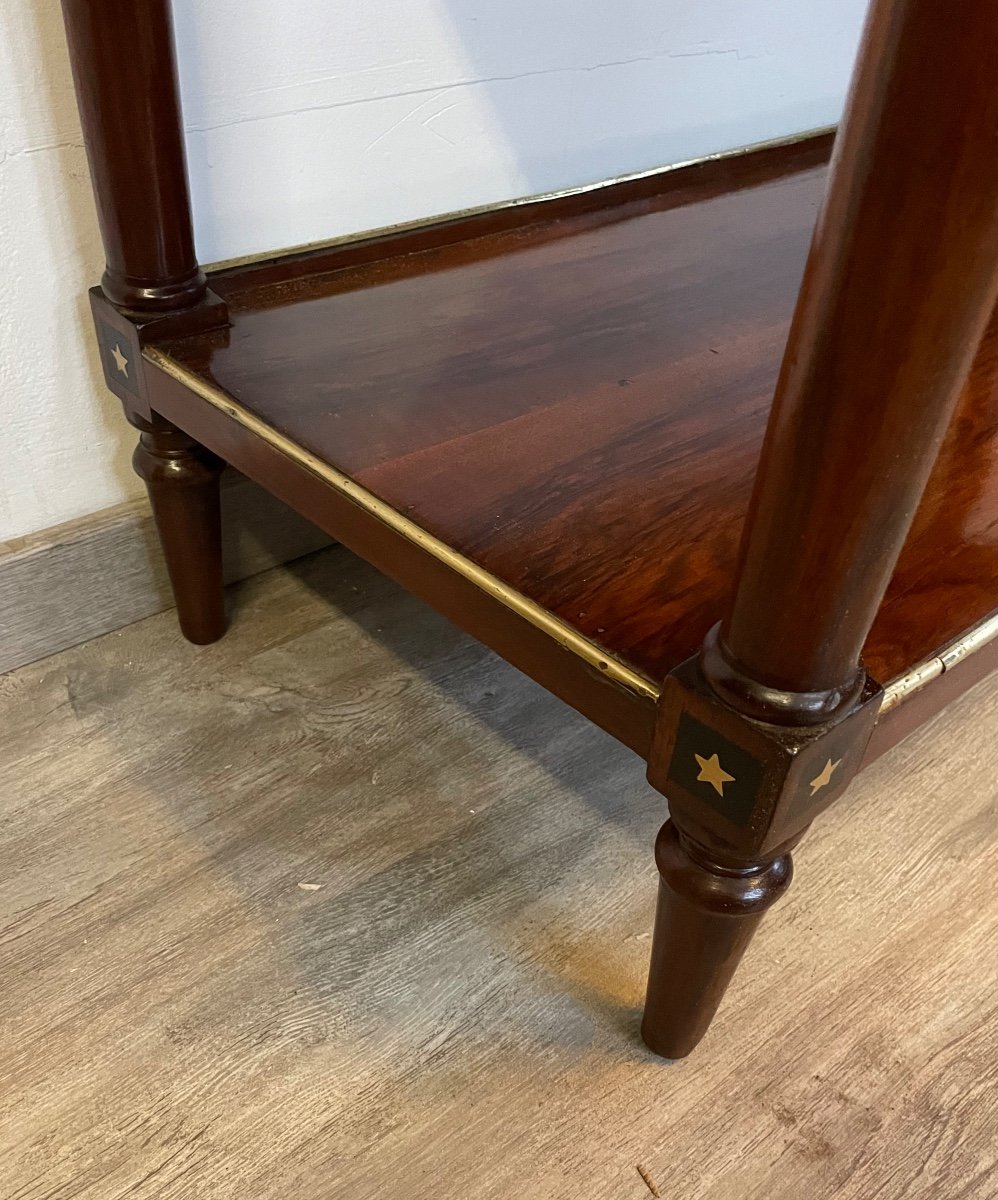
[{"x": 88, "y": 577}]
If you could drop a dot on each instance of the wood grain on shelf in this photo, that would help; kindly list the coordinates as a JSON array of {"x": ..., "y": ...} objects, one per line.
[{"x": 577, "y": 405}]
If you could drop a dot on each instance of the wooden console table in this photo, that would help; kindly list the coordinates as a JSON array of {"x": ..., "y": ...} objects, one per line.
[{"x": 550, "y": 418}]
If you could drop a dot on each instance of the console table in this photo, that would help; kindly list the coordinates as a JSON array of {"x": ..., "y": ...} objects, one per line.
[{"x": 711, "y": 452}]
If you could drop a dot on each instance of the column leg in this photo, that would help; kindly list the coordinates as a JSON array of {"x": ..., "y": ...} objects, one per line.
[
  {"x": 182, "y": 479},
  {"x": 767, "y": 726},
  {"x": 706, "y": 915}
]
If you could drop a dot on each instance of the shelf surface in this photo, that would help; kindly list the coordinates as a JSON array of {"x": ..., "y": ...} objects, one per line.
[{"x": 576, "y": 404}]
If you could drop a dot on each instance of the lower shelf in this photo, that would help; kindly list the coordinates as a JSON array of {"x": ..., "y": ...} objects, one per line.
[{"x": 546, "y": 419}]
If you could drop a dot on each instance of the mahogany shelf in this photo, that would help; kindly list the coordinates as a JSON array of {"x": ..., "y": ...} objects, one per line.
[{"x": 569, "y": 397}]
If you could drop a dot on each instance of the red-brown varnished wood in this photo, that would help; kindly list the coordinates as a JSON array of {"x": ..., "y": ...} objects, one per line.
[
  {"x": 901, "y": 280},
  {"x": 627, "y": 715},
  {"x": 578, "y": 405},
  {"x": 705, "y": 918},
  {"x": 182, "y": 479},
  {"x": 125, "y": 74},
  {"x": 126, "y": 88}
]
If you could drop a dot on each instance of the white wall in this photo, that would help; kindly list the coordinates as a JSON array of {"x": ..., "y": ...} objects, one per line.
[{"x": 306, "y": 120}]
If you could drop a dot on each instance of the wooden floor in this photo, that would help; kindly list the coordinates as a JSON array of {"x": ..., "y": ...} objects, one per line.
[{"x": 345, "y": 907}]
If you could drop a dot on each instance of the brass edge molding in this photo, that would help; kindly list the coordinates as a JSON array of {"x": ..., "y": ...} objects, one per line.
[
  {"x": 364, "y": 235},
  {"x": 911, "y": 681},
  {"x": 948, "y": 657},
  {"x": 894, "y": 693},
  {"x": 537, "y": 616},
  {"x": 972, "y": 640}
]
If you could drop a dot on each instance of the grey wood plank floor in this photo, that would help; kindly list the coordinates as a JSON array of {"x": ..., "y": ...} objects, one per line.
[{"x": 449, "y": 1008}]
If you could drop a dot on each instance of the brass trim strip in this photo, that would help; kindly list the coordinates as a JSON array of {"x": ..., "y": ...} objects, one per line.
[
  {"x": 962, "y": 647},
  {"x": 539, "y": 617},
  {"x": 480, "y": 210},
  {"x": 894, "y": 693},
  {"x": 972, "y": 640},
  {"x": 910, "y": 682}
]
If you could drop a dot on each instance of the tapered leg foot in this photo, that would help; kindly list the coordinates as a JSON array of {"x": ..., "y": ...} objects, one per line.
[
  {"x": 182, "y": 479},
  {"x": 707, "y": 913}
]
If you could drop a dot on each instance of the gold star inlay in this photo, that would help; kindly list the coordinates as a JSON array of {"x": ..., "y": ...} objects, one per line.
[
  {"x": 713, "y": 773},
  {"x": 119, "y": 360},
  {"x": 825, "y": 778}
]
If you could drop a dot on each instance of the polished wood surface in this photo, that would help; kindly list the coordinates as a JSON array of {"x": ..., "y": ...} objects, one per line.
[
  {"x": 126, "y": 87},
  {"x": 125, "y": 73},
  {"x": 621, "y": 710},
  {"x": 578, "y": 405},
  {"x": 182, "y": 479},
  {"x": 704, "y": 922},
  {"x": 901, "y": 280}
]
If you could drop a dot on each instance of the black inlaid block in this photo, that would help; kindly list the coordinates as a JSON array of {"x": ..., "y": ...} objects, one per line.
[
  {"x": 126, "y": 373},
  {"x": 734, "y": 798},
  {"x": 742, "y": 787},
  {"x": 805, "y": 791}
]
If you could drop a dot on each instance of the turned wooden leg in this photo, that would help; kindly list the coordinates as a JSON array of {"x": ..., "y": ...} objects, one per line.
[
  {"x": 182, "y": 478},
  {"x": 763, "y": 730},
  {"x": 124, "y": 69},
  {"x": 706, "y": 915},
  {"x": 742, "y": 793}
]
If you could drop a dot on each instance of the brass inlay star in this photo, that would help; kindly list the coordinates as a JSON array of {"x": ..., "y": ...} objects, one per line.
[
  {"x": 119, "y": 359},
  {"x": 713, "y": 773},
  {"x": 825, "y": 778}
]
